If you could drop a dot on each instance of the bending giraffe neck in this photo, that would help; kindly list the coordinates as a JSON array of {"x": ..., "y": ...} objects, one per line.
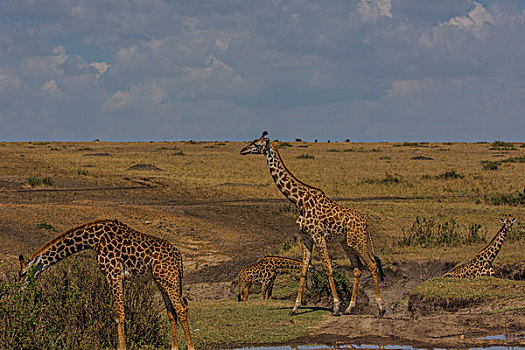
[
  {"x": 491, "y": 250},
  {"x": 77, "y": 239},
  {"x": 285, "y": 263},
  {"x": 292, "y": 188}
]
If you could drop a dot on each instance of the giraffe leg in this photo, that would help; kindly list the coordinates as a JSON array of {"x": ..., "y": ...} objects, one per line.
[
  {"x": 115, "y": 284},
  {"x": 325, "y": 258},
  {"x": 181, "y": 310},
  {"x": 372, "y": 266},
  {"x": 172, "y": 316},
  {"x": 307, "y": 256},
  {"x": 358, "y": 267},
  {"x": 245, "y": 292},
  {"x": 270, "y": 287},
  {"x": 264, "y": 290}
]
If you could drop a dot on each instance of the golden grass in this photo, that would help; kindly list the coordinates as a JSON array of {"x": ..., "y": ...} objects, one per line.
[{"x": 217, "y": 171}]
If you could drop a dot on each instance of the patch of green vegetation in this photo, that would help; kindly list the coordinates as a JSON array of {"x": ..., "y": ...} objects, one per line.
[
  {"x": 387, "y": 180},
  {"x": 509, "y": 199},
  {"x": 164, "y": 148},
  {"x": 55, "y": 149},
  {"x": 289, "y": 208},
  {"x": 451, "y": 174},
  {"x": 385, "y": 157},
  {"x": 449, "y": 143},
  {"x": 333, "y": 150},
  {"x": 70, "y": 307},
  {"x": 220, "y": 144},
  {"x": 500, "y": 145},
  {"x": 40, "y": 143},
  {"x": 82, "y": 172},
  {"x": 302, "y": 146},
  {"x": 490, "y": 164},
  {"x": 427, "y": 233},
  {"x": 285, "y": 144},
  {"x": 226, "y": 323},
  {"x": 35, "y": 181},
  {"x": 411, "y": 144},
  {"x": 179, "y": 153},
  {"x": 479, "y": 288},
  {"x": 319, "y": 289},
  {"x": 44, "y": 225},
  {"x": 305, "y": 156}
]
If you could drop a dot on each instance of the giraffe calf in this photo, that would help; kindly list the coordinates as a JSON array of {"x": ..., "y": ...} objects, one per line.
[{"x": 264, "y": 271}]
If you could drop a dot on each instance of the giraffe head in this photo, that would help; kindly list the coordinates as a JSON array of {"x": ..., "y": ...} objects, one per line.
[
  {"x": 30, "y": 268},
  {"x": 507, "y": 223},
  {"x": 257, "y": 146}
]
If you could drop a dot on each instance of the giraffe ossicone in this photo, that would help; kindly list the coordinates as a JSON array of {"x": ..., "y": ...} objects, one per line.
[
  {"x": 122, "y": 253},
  {"x": 321, "y": 220}
]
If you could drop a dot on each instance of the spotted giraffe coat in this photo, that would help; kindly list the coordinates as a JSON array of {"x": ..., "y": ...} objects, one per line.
[{"x": 264, "y": 271}]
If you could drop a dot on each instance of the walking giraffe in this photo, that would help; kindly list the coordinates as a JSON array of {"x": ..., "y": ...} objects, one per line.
[
  {"x": 264, "y": 271},
  {"x": 122, "y": 253},
  {"x": 321, "y": 220},
  {"x": 481, "y": 264}
]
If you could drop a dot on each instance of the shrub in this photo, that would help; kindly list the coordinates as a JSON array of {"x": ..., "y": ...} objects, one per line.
[
  {"x": 426, "y": 233},
  {"x": 490, "y": 165},
  {"x": 35, "y": 181},
  {"x": 305, "y": 156},
  {"x": 44, "y": 225},
  {"x": 510, "y": 199},
  {"x": 452, "y": 174},
  {"x": 387, "y": 180},
  {"x": 319, "y": 288},
  {"x": 285, "y": 144},
  {"x": 82, "y": 172},
  {"x": 70, "y": 308},
  {"x": 500, "y": 145}
]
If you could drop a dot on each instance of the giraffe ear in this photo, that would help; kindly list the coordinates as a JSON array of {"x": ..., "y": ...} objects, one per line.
[
  {"x": 501, "y": 220},
  {"x": 514, "y": 220},
  {"x": 265, "y": 133}
]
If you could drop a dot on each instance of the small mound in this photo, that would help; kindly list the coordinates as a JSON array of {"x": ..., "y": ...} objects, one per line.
[
  {"x": 142, "y": 166},
  {"x": 422, "y": 158}
]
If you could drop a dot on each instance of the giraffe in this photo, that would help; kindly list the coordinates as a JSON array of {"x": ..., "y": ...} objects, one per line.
[
  {"x": 122, "y": 253},
  {"x": 264, "y": 271},
  {"x": 321, "y": 220},
  {"x": 481, "y": 264}
]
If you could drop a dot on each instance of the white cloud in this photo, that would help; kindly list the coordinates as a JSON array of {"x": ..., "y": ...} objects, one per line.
[
  {"x": 51, "y": 89},
  {"x": 474, "y": 21},
  {"x": 101, "y": 67},
  {"x": 372, "y": 10}
]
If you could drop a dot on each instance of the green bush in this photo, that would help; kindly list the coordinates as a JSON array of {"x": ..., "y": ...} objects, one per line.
[
  {"x": 318, "y": 290},
  {"x": 427, "y": 233},
  {"x": 490, "y": 165},
  {"x": 510, "y": 199},
  {"x": 70, "y": 307},
  {"x": 305, "y": 156}
]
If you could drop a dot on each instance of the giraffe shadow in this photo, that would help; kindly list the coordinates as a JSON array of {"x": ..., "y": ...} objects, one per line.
[{"x": 305, "y": 310}]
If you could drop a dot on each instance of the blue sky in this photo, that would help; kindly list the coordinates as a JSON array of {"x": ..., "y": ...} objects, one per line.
[{"x": 367, "y": 70}]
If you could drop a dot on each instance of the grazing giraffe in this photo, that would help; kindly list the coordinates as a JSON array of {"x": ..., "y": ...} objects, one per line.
[
  {"x": 321, "y": 220},
  {"x": 264, "y": 271},
  {"x": 481, "y": 264},
  {"x": 122, "y": 253}
]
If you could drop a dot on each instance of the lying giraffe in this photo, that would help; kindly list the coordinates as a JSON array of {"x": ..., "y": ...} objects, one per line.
[
  {"x": 321, "y": 220},
  {"x": 481, "y": 264},
  {"x": 264, "y": 271},
  {"x": 122, "y": 253}
]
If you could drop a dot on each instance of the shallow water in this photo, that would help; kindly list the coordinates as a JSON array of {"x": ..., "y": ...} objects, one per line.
[{"x": 390, "y": 347}]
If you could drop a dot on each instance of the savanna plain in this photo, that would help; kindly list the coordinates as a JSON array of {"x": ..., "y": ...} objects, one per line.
[{"x": 429, "y": 207}]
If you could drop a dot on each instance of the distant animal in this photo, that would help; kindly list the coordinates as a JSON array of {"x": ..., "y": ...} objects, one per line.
[
  {"x": 321, "y": 220},
  {"x": 264, "y": 271},
  {"x": 481, "y": 264},
  {"x": 122, "y": 253}
]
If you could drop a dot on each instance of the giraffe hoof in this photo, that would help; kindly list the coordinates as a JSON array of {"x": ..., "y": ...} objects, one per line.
[
  {"x": 336, "y": 313},
  {"x": 381, "y": 312},
  {"x": 292, "y": 313}
]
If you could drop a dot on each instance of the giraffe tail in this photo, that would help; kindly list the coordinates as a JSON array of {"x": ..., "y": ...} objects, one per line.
[{"x": 380, "y": 268}]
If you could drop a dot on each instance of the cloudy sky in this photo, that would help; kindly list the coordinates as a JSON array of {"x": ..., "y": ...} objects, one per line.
[{"x": 368, "y": 70}]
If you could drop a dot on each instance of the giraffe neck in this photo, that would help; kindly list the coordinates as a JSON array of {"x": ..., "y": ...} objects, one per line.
[
  {"x": 292, "y": 188},
  {"x": 491, "y": 250},
  {"x": 80, "y": 238},
  {"x": 286, "y": 263}
]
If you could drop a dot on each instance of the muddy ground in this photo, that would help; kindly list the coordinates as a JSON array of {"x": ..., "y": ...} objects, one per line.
[{"x": 218, "y": 237}]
